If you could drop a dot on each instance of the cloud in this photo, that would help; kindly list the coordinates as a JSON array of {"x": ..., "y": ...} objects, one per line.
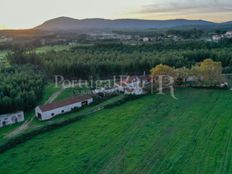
[{"x": 195, "y": 6}]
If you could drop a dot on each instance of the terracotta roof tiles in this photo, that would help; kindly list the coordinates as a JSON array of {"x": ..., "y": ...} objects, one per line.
[{"x": 63, "y": 103}]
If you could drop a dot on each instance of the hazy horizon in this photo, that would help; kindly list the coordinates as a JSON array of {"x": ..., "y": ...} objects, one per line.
[{"x": 30, "y": 13}]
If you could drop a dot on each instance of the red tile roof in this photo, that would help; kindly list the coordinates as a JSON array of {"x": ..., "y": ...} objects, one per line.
[{"x": 63, "y": 103}]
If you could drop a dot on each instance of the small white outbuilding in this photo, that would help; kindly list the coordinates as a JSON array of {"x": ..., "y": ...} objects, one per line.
[
  {"x": 51, "y": 110},
  {"x": 11, "y": 118},
  {"x": 133, "y": 85}
]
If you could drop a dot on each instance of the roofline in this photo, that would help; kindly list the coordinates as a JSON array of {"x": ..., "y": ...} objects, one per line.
[{"x": 87, "y": 98}]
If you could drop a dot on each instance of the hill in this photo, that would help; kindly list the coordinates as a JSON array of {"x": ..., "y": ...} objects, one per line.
[
  {"x": 70, "y": 24},
  {"x": 154, "y": 134}
]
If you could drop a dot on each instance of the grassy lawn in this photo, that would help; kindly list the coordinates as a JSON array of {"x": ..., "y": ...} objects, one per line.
[
  {"x": 70, "y": 92},
  {"x": 48, "y": 91},
  {"x": 154, "y": 134},
  {"x": 42, "y": 49},
  {"x": 45, "y": 49}
]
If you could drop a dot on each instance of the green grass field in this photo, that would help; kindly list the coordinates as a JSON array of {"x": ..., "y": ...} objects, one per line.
[
  {"x": 70, "y": 92},
  {"x": 45, "y": 49},
  {"x": 153, "y": 134}
]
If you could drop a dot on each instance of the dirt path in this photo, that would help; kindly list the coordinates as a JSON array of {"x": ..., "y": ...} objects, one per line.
[
  {"x": 20, "y": 129},
  {"x": 27, "y": 123},
  {"x": 54, "y": 96}
]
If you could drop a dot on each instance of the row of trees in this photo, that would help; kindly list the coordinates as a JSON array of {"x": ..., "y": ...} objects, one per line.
[
  {"x": 20, "y": 88},
  {"x": 207, "y": 72}
]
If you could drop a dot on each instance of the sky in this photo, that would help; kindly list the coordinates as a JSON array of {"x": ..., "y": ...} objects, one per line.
[{"x": 22, "y": 14}]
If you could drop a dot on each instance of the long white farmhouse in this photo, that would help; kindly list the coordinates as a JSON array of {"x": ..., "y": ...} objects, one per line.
[
  {"x": 51, "y": 110},
  {"x": 11, "y": 118}
]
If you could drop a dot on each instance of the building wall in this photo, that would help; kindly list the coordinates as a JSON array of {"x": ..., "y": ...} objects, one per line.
[
  {"x": 134, "y": 87},
  {"x": 52, "y": 113},
  {"x": 90, "y": 101},
  {"x": 134, "y": 91},
  {"x": 11, "y": 118},
  {"x": 38, "y": 111}
]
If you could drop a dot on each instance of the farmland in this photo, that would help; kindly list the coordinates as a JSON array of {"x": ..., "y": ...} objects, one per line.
[
  {"x": 45, "y": 49},
  {"x": 153, "y": 134}
]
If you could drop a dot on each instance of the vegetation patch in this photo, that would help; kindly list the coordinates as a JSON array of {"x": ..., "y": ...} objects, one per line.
[
  {"x": 154, "y": 134},
  {"x": 20, "y": 88}
]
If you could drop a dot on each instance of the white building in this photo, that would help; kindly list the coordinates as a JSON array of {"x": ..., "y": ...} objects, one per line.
[
  {"x": 135, "y": 90},
  {"x": 133, "y": 85},
  {"x": 146, "y": 39},
  {"x": 228, "y": 34},
  {"x": 105, "y": 90},
  {"x": 51, "y": 110},
  {"x": 217, "y": 38},
  {"x": 11, "y": 118}
]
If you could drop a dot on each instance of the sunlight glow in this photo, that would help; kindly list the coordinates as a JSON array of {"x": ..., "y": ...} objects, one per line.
[{"x": 30, "y": 13}]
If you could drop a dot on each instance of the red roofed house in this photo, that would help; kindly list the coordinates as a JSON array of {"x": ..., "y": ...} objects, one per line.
[{"x": 49, "y": 111}]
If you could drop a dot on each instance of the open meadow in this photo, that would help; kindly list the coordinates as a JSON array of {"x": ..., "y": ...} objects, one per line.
[{"x": 153, "y": 134}]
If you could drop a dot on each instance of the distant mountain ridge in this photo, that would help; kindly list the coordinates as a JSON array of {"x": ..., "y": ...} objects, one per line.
[{"x": 71, "y": 24}]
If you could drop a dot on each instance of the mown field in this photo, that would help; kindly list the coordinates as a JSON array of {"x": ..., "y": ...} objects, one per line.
[
  {"x": 153, "y": 134},
  {"x": 45, "y": 49}
]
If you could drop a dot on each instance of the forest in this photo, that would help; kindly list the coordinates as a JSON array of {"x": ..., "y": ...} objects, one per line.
[
  {"x": 106, "y": 60},
  {"x": 20, "y": 88}
]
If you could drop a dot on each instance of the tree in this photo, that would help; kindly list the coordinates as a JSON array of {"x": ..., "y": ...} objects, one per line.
[
  {"x": 183, "y": 72},
  {"x": 182, "y": 75},
  {"x": 211, "y": 71},
  {"x": 163, "y": 70}
]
